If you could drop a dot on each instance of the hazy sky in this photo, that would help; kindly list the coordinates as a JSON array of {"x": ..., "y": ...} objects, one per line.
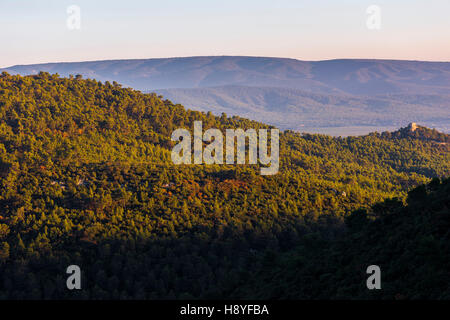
[{"x": 37, "y": 31}]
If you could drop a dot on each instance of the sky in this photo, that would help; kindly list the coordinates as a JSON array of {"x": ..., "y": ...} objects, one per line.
[{"x": 39, "y": 31}]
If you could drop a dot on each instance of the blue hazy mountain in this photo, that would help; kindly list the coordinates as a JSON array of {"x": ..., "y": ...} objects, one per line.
[
  {"x": 351, "y": 76},
  {"x": 288, "y": 93},
  {"x": 335, "y": 114}
]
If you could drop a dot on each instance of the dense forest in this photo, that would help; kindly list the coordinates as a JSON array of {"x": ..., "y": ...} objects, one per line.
[
  {"x": 86, "y": 178},
  {"x": 410, "y": 243}
]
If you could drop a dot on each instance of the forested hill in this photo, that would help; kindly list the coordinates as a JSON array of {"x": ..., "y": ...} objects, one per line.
[
  {"x": 86, "y": 178},
  {"x": 419, "y": 132},
  {"x": 410, "y": 243}
]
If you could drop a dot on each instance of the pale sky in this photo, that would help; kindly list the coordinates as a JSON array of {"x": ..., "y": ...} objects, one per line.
[{"x": 37, "y": 31}]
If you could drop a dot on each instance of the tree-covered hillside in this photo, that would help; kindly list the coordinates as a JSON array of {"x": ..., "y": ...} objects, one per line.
[
  {"x": 86, "y": 178},
  {"x": 410, "y": 243}
]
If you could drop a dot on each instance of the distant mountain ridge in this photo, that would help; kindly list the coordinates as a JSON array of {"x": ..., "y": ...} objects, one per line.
[
  {"x": 296, "y": 109},
  {"x": 351, "y": 76},
  {"x": 288, "y": 93}
]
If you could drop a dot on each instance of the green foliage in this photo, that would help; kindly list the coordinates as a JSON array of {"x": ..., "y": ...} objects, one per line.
[
  {"x": 409, "y": 243},
  {"x": 86, "y": 178}
]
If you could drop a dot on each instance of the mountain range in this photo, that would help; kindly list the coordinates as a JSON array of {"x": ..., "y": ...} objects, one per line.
[{"x": 340, "y": 97}]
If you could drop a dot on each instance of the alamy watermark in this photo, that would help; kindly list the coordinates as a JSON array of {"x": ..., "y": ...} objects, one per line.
[
  {"x": 373, "y": 21},
  {"x": 74, "y": 280},
  {"x": 213, "y": 153},
  {"x": 73, "y": 21},
  {"x": 374, "y": 281}
]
